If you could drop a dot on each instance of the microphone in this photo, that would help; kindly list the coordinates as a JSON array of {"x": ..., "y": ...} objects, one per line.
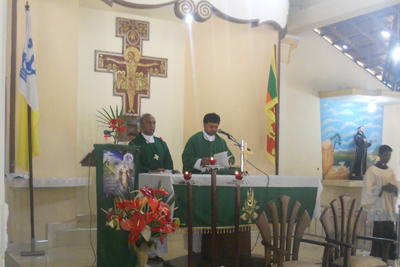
[
  {"x": 225, "y": 133},
  {"x": 231, "y": 138}
]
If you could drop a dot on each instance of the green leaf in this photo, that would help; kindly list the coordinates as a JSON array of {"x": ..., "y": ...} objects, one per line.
[
  {"x": 103, "y": 120},
  {"x": 108, "y": 114},
  {"x": 112, "y": 112},
  {"x": 116, "y": 110}
]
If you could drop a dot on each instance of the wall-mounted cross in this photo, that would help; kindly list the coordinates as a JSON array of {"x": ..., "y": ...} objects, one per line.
[{"x": 131, "y": 70}]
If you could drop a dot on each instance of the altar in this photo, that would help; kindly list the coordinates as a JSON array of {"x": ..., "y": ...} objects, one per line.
[
  {"x": 256, "y": 192},
  {"x": 306, "y": 190}
]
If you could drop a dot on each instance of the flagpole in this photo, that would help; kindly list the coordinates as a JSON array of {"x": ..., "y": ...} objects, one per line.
[
  {"x": 33, "y": 251},
  {"x": 11, "y": 158}
]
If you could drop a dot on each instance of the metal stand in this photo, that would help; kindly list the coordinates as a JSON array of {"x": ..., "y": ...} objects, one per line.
[
  {"x": 33, "y": 251},
  {"x": 214, "y": 217},
  {"x": 237, "y": 217},
  {"x": 190, "y": 223}
]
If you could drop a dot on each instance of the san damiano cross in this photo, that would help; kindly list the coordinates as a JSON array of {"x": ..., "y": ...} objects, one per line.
[{"x": 131, "y": 70}]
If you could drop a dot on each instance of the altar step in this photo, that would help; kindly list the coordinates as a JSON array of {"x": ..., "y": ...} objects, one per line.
[{"x": 75, "y": 233}]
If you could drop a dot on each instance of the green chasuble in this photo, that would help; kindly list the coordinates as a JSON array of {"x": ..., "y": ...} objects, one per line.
[
  {"x": 197, "y": 147},
  {"x": 153, "y": 156}
]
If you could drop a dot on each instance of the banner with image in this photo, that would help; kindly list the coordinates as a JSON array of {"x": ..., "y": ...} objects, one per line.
[{"x": 116, "y": 167}]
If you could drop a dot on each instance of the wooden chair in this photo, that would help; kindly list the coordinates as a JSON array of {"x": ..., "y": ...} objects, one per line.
[
  {"x": 281, "y": 240},
  {"x": 345, "y": 231}
]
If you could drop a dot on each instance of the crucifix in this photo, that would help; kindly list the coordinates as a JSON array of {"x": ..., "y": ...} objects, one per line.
[{"x": 131, "y": 70}]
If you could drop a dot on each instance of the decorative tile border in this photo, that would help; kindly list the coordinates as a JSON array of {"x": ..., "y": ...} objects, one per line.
[{"x": 50, "y": 182}]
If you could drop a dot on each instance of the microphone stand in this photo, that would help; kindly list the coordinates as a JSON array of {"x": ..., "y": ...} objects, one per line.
[{"x": 244, "y": 151}]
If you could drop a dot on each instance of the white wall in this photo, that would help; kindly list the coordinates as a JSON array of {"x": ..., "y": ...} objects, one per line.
[
  {"x": 390, "y": 135},
  {"x": 3, "y": 205},
  {"x": 95, "y": 89},
  {"x": 97, "y": 32},
  {"x": 315, "y": 66}
]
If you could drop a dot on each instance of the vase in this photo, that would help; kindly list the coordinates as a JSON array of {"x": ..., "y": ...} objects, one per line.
[{"x": 142, "y": 254}]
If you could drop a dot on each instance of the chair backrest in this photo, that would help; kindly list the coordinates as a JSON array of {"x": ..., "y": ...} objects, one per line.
[
  {"x": 346, "y": 225},
  {"x": 282, "y": 235}
]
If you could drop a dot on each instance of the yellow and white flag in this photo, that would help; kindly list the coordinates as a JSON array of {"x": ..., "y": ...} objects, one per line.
[{"x": 27, "y": 86}]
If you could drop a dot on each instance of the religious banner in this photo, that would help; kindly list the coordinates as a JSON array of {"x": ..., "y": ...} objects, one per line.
[
  {"x": 115, "y": 172},
  {"x": 130, "y": 69}
]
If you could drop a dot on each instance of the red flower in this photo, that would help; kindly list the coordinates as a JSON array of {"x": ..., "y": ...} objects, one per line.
[
  {"x": 109, "y": 215},
  {"x": 161, "y": 191},
  {"x": 113, "y": 121},
  {"x": 150, "y": 217},
  {"x": 121, "y": 129},
  {"x": 122, "y": 204},
  {"x": 162, "y": 238},
  {"x": 133, "y": 237},
  {"x": 147, "y": 191},
  {"x": 132, "y": 218}
]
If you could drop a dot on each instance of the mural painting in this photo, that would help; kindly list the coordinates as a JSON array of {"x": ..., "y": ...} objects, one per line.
[{"x": 347, "y": 131}]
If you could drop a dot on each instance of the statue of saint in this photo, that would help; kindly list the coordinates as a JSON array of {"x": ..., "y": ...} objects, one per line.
[
  {"x": 360, "y": 161},
  {"x": 132, "y": 58}
]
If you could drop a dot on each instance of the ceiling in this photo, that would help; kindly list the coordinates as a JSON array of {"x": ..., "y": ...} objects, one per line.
[{"x": 361, "y": 39}]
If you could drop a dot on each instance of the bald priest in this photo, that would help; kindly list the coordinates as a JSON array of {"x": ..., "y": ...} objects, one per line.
[{"x": 154, "y": 152}]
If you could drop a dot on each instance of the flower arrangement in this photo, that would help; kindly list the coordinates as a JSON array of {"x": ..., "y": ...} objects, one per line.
[
  {"x": 146, "y": 214},
  {"x": 113, "y": 121}
]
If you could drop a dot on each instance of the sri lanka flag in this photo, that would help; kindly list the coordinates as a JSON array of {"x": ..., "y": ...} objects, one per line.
[{"x": 272, "y": 100}]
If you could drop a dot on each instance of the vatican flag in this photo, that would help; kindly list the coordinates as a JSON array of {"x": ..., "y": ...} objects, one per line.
[{"x": 27, "y": 86}]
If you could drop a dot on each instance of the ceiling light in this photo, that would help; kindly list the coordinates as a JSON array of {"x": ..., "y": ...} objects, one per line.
[
  {"x": 372, "y": 107},
  {"x": 385, "y": 34},
  {"x": 189, "y": 19},
  {"x": 344, "y": 46},
  {"x": 396, "y": 53}
]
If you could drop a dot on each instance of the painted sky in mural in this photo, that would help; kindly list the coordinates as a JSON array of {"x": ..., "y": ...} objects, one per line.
[{"x": 344, "y": 118}]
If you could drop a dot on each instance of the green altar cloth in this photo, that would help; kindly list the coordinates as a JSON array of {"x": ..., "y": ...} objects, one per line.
[
  {"x": 226, "y": 204},
  {"x": 256, "y": 192}
]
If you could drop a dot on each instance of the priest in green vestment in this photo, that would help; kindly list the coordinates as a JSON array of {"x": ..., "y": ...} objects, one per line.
[
  {"x": 154, "y": 152},
  {"x": 154, "y": 158},
  {"x": 203, "y": 145}
]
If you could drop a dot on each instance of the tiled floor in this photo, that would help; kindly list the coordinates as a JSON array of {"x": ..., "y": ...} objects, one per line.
[{"x": 82, "y": 256}]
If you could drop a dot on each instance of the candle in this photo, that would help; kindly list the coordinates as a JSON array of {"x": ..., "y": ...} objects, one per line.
[
  {"x": 238, "y": 175},
  {"x": 187, "y": 175},
  {"x": 212, "y": 161}
]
